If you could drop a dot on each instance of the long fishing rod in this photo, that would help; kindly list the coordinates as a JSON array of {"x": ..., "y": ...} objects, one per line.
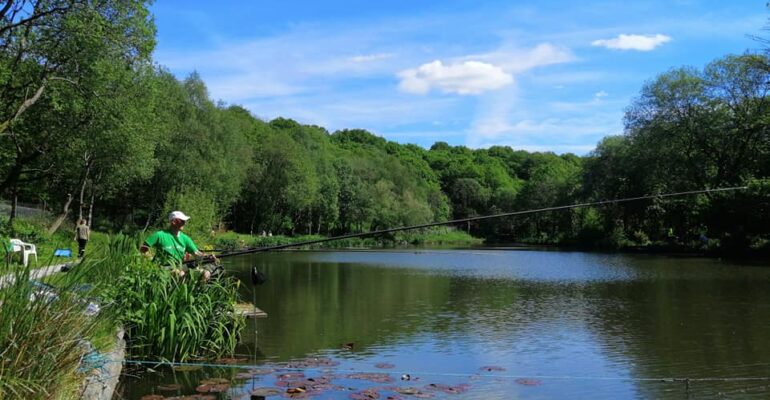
[{"x": 479, "y": 218}]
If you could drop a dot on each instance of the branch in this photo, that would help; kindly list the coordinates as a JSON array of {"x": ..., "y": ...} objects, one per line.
[
  {"x": 32, "y": 19},
  {"x": 6, "y": 7},
  {"x": 30, "y": 101},
  {"x": 24, "y": 106}
]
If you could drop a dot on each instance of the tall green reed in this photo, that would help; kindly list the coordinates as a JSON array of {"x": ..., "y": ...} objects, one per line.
[
  {"x": 41, "y": 338},
  {"x": 171, "y": 318}
]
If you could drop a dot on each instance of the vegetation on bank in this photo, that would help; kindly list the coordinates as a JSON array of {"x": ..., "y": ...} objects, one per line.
[
  {"x": 435, "y": 236},
  {"x": 45, "y": 331}
]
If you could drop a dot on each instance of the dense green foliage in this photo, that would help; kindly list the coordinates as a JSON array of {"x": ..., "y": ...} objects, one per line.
[{"x": 93, "y": 125}]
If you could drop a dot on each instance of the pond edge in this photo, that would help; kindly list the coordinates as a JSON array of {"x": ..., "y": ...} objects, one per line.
[{"x": 101, "y": 382}]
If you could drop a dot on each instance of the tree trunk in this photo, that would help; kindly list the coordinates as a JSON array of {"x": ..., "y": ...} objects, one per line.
[
  {"x": 62, "y": 216},
  {"x": 14, "y": 205},
  {"x": 147, "y": 222},
  {"x": 91, "y": 210},
  {"x": 84, "y": 182}
]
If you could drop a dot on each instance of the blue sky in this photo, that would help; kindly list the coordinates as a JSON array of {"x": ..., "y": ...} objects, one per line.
[{"x": 541, "y": 75}]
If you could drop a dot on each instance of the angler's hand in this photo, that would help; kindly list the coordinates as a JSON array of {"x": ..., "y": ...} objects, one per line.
[{"x": 209, "y": 257}]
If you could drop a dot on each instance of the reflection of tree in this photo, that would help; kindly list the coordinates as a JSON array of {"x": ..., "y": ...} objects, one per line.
[
  {"x": 694, "y": 327},
  {"x": 310, "y": 308},
  {"x": 314, "y": 306}
]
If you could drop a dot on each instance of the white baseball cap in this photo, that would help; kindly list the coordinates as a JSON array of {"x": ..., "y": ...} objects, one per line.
[{"x": 177, "y": 215}]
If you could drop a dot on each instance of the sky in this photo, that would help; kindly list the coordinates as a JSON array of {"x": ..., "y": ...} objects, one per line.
[{"x": 544, "y": 75}]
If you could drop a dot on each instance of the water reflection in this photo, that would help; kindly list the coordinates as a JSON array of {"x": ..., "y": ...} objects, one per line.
[{"x": 583, "y": 325}]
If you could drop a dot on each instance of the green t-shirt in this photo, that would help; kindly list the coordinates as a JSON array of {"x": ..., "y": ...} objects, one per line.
[{"x": 170, "y": 248}]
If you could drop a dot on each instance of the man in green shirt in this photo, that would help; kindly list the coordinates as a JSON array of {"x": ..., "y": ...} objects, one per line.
[{"x": 171, "y": 245}]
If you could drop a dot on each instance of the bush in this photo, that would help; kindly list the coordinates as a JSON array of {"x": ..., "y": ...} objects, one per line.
[
  {"x": 25, "y": 230},
  {"x": 640, "y": 238},
  {"x": 228, "y": 241}
]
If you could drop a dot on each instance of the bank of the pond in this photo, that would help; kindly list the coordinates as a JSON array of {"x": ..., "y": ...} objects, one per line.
[
  {"x": 443, "y": 236},
  {"x": 106, "y": 367}
]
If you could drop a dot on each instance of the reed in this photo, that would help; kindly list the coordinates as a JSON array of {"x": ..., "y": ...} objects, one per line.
[
  {"x": 168, "y": 318},
  {"x": 41, "y": 339}
]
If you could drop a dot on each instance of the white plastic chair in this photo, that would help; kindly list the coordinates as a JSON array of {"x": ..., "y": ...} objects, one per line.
[{"x": 26, "y": 249}]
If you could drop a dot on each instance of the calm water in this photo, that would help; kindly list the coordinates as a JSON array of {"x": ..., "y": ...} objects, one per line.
[{"x": 498, "y": 324}]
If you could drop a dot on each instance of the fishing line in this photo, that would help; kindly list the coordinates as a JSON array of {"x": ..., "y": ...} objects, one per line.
[
  {"x": 479, "y": 218},
  {"x": 416, "y": 374}
]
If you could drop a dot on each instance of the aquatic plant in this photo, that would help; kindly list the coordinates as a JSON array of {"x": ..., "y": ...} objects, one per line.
[{"x": 171, "y": 318}]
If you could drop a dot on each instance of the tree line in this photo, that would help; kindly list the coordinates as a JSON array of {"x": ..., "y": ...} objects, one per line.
[{"x": 91, "y": 126}]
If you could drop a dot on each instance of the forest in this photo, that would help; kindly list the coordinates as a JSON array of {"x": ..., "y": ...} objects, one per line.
[{"x": 91, "y": 126}]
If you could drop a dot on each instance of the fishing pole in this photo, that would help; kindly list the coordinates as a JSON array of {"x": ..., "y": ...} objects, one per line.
[{"x": 478, "y": 218}]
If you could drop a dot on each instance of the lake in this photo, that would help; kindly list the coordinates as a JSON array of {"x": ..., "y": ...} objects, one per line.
[{"x": 492, "y": 323}]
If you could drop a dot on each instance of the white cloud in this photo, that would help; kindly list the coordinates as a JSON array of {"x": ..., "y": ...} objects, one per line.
[
  {"x": 600, "y": 94},
  {"x": 370, "y": 57},
  {"x": 633, "y": 42},
  {"x": 478, "y": 73},
  {"x": 517, "y": 60},
  {"x": 468, "y": 77}
]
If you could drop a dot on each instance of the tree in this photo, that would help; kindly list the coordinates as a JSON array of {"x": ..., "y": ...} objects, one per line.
[
  {"x": 53, "y": 56},
  {"x": 49, "y": 51}
]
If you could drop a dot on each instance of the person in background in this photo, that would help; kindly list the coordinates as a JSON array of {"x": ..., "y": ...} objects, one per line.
[
  {"x": 171, "y": 244},
  {"x": 82, "y": 234}
]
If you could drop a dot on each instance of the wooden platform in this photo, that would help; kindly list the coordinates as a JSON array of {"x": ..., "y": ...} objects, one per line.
[{"x": 249, "y": 311}]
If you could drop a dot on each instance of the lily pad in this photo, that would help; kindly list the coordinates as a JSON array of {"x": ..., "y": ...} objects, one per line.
[
  {"x": 312, "y": 362},
  {"x": 169, "y": 388},
  {"x": 365, "y": 395},
  {"x": 215, "y": 381},
  {"x": 373, "y": 376},
  {"x": 215, "y": 388},
  {"x": 407, "y": 390},
  {"x": 265, "y": 392}
]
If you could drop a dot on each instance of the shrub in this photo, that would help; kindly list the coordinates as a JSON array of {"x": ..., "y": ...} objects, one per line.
[{"x": 25, "y": 230}]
